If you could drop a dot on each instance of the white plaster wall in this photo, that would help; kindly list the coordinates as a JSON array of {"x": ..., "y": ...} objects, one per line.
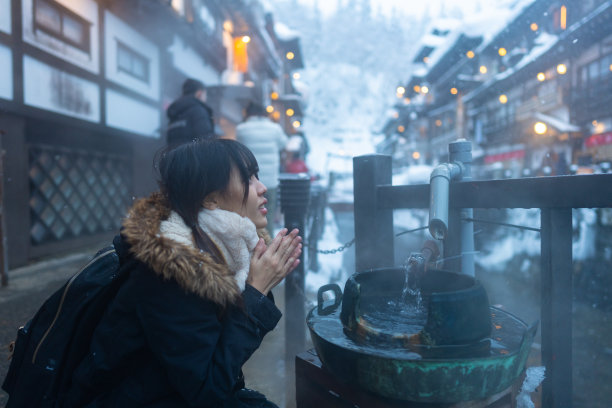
[
  {"x": 6, "y": 73},
  {"x": 87, "y": 9},
  {"x": 5, "y": 16},
  {"x": 117, "y": 30},
  {"x": 190, "y": 63},
  {"x": 123, "y": 112},
  {"x": 49, "y": 88}
]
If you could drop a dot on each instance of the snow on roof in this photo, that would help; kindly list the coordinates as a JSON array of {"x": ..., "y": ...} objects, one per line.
[
  {"x": 420, "y": 71},
  {"x": 486, "y": 24},
  {"x": 443, "y": 24},
  {"x": 496, "y": 21},
  {"x": 559, "y": 124},
  {"x": 267, "y": 6},
  {"x": 543, "y": 43},
  {"x": 430, "y": 40},
  {"x": 285, "y": 33}
]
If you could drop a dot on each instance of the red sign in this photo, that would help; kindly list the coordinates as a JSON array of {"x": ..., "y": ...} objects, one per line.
[
  {"x": 599, "y": 139},
  {"x": 513, "y": 155}
]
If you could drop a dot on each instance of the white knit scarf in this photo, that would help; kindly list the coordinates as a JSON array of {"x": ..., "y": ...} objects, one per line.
[{"x": 234, "y": 235}]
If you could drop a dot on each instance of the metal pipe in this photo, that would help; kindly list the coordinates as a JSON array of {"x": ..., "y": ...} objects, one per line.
[
  {"x": 439, "y": 183},
  {"x": 461, "y": 151}
]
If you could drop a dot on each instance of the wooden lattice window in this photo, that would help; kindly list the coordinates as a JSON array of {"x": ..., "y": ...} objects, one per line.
[{"x": 75, "y": 193}]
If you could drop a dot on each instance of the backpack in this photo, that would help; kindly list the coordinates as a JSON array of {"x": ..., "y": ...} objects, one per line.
[{"x": 53, "y": 343}]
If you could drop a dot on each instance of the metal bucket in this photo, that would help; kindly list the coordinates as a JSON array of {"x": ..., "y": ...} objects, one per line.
[{"x": 456, "y": 308}]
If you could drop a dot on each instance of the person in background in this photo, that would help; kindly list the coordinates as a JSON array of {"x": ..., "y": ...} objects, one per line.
[
  {"x": 294, "y": 163},
  {"x": 197, "y": 301},
  {"x": 266, "y": 140},
  {"x": 293, "y": 155},
  {"x": 190, "y": 118}
]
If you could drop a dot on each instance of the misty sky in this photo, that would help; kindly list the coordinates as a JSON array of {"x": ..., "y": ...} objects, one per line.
[{"x": 411, "y": 7}]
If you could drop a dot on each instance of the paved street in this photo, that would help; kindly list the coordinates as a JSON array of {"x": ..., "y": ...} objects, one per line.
[{"x": 28, "y": 288}]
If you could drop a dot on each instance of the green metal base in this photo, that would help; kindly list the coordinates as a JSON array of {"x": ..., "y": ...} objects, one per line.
[{"x": 407, "y": 376}]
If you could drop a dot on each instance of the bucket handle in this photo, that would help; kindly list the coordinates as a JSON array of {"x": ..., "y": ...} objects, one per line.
[{"x": 322, "y": 309}]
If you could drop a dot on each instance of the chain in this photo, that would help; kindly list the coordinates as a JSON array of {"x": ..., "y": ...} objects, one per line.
[
  {"x": 334, "y": 251},
  {"x": 352, "y": 241}
]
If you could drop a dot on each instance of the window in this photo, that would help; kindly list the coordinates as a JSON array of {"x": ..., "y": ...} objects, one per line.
[
  {"x": 592, "y": 74},
  {"x": 132, "y": 63},
  {"x": 59, "y": 22}
]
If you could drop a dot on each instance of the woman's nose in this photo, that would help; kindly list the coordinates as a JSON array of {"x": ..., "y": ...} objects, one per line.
[{"x": 262, "y": 188}]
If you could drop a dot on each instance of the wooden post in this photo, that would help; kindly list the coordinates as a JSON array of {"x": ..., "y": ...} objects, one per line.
[
  {"x": 3, "y": 258},
  {"x": 556, "y": 275},
  {"x": 373, "y": 224}
]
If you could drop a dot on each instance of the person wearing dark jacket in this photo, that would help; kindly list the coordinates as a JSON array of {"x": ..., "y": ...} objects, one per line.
[
  {"x": 197, "y": 300},
  {"x": 190, "y": 118}
]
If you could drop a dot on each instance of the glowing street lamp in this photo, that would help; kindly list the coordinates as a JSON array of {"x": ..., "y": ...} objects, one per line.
[
  {"x": 246, "y": 39},
  {"x": 416, "y": 155},
  {"x": 503, "y": 99},
  {"x": 274, "y": 95},
  {"x": 470, "y": 54},
  {"x": 561, "y": 69},
  {"x": 540, "y": 128},
  {"x": 269, "y": 108},
  {"x": 534, "y": 27},
  {"x": 290, "y": 55},
  {"x": 400, "y": 91},
  {"x": 453, "y": 91},
  {"x": 424, "y": 89},
  {"x": 502, "y": 51},
  {"x": 482, "y": 69},
  {"x": 541, "y": 76},
  {"x": 296, "y": 124},
  {"x": 289, "y": 112}
]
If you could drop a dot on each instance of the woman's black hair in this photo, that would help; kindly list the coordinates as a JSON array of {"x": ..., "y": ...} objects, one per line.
[{"x": 190, "y": 172}]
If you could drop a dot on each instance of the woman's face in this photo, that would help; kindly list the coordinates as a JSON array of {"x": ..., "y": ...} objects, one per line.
[{"x": 254, "y": 208}]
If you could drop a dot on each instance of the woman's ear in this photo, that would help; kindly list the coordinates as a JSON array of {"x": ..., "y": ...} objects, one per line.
[{"x": 211, "y": 201}]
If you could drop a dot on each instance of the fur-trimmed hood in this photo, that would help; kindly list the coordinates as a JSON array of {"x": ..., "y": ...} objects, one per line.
[{"x": 195, "y": 271}]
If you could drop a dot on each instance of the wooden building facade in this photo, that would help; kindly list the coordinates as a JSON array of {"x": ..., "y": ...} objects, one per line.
[{"x": 84, "y": 85}]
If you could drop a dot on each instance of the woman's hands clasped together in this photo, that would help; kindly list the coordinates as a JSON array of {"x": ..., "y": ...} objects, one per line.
[{"x": 271, "y": 264}]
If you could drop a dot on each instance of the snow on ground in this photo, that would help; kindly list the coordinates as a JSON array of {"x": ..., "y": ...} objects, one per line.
[{"x": 495, "y": 255}]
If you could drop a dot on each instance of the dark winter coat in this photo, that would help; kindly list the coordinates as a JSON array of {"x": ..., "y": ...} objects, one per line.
[
  {"x": 179, "y": 330},
  {"x": 190, "y": 119}
]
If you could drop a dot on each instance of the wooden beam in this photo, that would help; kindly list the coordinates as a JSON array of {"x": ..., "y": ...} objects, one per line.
[{"x": 580, "y": 191}]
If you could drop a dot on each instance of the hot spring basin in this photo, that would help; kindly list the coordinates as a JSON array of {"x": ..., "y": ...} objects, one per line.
[
  {"x": 441, "y": 373},
  {"x": 454, "y": 309}
]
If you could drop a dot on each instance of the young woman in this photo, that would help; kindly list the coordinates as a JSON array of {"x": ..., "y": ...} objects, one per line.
[{"x": 197, "y": 302}]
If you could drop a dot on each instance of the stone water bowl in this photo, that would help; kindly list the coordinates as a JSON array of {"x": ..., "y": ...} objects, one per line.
[{"x": 455, "y": 348}]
